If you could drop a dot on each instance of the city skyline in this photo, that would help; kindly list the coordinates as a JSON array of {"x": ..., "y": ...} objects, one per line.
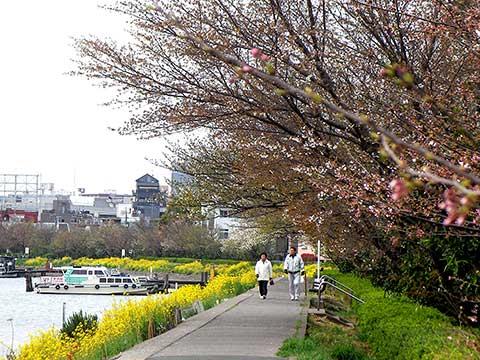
[{"x": 53, "y": 124}]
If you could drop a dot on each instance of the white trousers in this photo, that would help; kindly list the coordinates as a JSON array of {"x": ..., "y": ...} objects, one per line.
[{"x": 294, "y": 285}]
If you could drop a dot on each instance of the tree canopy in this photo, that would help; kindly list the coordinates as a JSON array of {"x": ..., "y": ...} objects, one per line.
[{"x": 357, "y": 121}]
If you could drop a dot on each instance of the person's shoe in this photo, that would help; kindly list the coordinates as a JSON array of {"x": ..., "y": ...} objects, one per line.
[
  {"x": 292, "y": 299},
  {"x": 296, "y": 299},
  {"x": 261, "y": 296},
  {"x": 264, "y": 297}
]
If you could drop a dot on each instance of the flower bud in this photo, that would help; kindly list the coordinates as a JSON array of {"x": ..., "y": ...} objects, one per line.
[
  {"x": 264, "y": 57},
  {"x": 256, "y": 53}
]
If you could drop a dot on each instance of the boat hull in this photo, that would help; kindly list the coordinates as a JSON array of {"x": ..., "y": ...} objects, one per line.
[{"x": 90, "y": 290}]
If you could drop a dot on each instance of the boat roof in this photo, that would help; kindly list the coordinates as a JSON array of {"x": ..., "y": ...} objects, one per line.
[{"x": 82, "y": 267}]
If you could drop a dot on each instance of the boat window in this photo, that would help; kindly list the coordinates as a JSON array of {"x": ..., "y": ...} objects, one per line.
[
  {"x": 90, "y": 272},
  {"x": 79, "y": 272},
  {"x": 103, "y": 280},
  {"x": 111, "y": 280},
  {"x": 99, "y": 272},
  {"x": 118, "y": 280},
  {"x": 126, "y": 280}
]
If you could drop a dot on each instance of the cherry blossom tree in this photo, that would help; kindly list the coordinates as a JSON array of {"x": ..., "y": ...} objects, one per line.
[{"x": 360, "y": 118}]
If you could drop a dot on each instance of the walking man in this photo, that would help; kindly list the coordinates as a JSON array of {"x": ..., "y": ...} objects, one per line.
[
  {"x": 263, "y": 270},
  {"x": 294, "y": 267}
]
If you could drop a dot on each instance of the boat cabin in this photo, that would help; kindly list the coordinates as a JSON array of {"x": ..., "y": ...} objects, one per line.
[
  {"x": 95, "y": 275},
  {"x": 7, "y": 264}
]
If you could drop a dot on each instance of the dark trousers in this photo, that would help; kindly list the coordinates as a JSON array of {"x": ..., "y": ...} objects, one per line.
[{"x": 262, "y": 284}]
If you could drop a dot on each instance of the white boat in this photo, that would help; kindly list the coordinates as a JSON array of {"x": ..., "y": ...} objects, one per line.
[{"x": 90, "y": 280}]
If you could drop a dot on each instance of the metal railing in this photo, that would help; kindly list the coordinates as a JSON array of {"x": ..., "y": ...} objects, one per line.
[
  {"x": 321, "y": 283},
  {"x": 336, "y": 282}
]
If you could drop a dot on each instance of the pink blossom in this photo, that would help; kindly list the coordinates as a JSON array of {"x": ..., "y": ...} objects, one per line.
[
  {"x": 473, "y": 319},
  {"x": 399, "y": 189},
  {"x": 233, "y": 79},
  {"x": 448, "y": 220},
  {"x": 246, "y": 68},
  {"x": 451, "y": 205},
  {"x": 477, "y": 217},
  {"x": 256, "y": 53},
  {"x": 395, "y": 241},
  {"x": 419, "y": 233},
  {"x": 460, "y": 219},
  {"x": 383, "y": 72},
  {"x": 265, "y": 57}
]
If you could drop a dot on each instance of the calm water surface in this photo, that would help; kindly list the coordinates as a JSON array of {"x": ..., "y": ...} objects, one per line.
[{"x": 32, "y": 312}]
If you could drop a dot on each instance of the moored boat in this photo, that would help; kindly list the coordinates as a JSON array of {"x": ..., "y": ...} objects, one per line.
[{"x": 90, "y": 280}]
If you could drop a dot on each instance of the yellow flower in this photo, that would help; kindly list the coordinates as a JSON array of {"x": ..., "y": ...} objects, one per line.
[{"x": 130, "y": 322}]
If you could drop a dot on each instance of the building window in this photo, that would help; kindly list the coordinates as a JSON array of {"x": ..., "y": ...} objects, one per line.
[
  {"x": 79, "y": 272},
  {"x": 223, "y": 234},
  {"x": 225, "y": 213}
]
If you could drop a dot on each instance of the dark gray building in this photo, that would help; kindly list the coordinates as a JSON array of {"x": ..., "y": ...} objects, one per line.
[{"x": 150, "y": 200}]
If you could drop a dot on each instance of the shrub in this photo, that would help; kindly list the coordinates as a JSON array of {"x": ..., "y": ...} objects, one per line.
[
  {"x": 64, "y": 261},
  {"x": 347, "y": 352},
  {"x": 36, "y": 262},
  {"x": 237, "y": 268},
  {"x": 77, "y": 321},
  {"x": 190, "y": 268}
]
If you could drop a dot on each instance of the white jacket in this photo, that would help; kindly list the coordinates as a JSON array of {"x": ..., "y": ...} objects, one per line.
[
  {"x": 263, "y": 270},
  {"x": 293, "y": 264}
]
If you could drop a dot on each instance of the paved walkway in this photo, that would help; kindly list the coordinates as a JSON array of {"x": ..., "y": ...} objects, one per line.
[{"x": 244, "y": 327}]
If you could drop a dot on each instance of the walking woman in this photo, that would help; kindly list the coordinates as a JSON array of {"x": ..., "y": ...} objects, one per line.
[{"x": 263, "y": 270}]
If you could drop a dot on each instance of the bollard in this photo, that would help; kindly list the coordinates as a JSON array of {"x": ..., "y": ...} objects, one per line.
[
  {"x": 177, "y": 316},
  {"x": 166, "y": 284},
  {"x": 28, "y": 282},
  {"x": 63, "y": 313},
  {"x": 306, "y": 285},
  {"x": 212, "y": 272}
]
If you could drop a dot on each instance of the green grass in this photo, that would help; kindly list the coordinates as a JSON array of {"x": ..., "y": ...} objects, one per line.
[
  {"x": 388, "y": 327},
  {"x": 325, "y": 342}
]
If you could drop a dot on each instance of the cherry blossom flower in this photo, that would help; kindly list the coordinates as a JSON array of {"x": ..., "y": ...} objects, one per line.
[{"x": 399, "y": 189}]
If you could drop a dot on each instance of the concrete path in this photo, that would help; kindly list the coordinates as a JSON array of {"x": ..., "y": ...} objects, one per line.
[{"x": 242, "y": 328}]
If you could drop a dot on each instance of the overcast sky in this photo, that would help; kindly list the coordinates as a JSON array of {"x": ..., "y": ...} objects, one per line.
[{"x": 51, "y": 123}]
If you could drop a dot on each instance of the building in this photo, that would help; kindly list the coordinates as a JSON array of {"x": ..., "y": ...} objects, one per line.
[
  {"x": 85, "y": 209},
  {"x": 222, "y": 221},
  {"x": 126, "y": 214},
  {"x": 150, "y": 198},
  {"x": 13, "y": 216},
  {"x": 177, "y": 181}
]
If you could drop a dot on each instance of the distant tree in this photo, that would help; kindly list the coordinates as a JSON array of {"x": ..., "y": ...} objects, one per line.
[{"x": 191, "y": 240}]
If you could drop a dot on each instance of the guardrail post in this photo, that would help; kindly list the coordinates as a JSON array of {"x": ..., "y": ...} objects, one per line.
[
  {"x": 178, "y": 316},
  {"x": 28, "y": 282},
  {"x": 306, "y": 284}
]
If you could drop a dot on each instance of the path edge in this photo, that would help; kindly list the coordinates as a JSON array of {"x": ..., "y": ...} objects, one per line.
[{"x": 150, "y": 347}]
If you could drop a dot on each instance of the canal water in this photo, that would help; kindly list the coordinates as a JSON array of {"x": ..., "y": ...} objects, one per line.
[{"x": 31, "y": 312}]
